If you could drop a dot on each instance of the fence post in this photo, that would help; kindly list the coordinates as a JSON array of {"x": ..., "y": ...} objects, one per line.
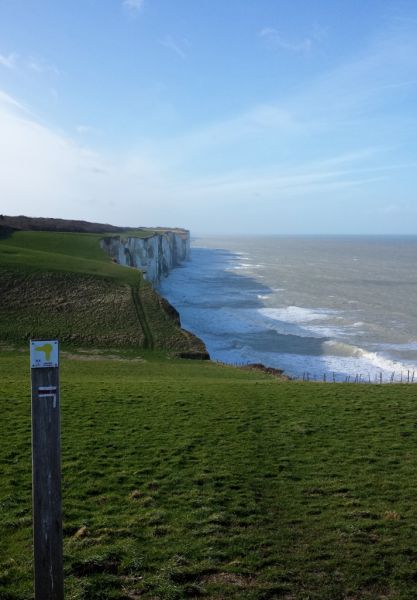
[{"x": 46, "y": 470}]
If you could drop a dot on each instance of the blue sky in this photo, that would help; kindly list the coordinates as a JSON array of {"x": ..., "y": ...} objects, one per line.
[{"x": 245, "y": 116}]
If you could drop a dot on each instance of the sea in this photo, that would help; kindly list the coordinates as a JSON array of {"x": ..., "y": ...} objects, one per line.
[{"x": 318, "y": 307}]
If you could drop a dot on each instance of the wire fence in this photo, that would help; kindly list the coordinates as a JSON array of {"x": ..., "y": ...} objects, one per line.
[
  {"x": 376, "y": 378},
  {"x": 380, "y": 378}
]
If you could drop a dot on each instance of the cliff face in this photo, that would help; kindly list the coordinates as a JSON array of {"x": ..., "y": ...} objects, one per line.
[{"x": 155, "y": 255}]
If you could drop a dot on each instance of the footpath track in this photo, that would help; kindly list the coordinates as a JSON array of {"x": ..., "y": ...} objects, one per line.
[{"x": 147, "y": 333}]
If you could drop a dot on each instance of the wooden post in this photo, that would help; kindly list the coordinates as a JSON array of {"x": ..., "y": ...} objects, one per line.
[{"x": 46, "y": 470}]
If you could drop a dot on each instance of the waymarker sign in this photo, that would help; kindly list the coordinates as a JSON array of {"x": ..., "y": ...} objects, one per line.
[
  {"x": 46, "y": 470},
  {"x": 44, "y": 354}
]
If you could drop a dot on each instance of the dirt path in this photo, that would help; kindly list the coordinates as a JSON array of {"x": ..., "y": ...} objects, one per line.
[{"x": 147, "y": 333}]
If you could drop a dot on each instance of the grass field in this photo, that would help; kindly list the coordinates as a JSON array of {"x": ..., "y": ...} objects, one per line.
[
  {"x": 188, "y": 480},
  {"x": 64, "y": 285}
]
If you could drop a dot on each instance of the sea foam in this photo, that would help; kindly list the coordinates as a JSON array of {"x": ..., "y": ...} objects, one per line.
[{"x": 222, "y": 299}]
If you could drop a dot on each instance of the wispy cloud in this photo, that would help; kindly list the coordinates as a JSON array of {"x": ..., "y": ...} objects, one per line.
[
  {"x": 39, "y": 65},
  {"x": 133, "y": 5},
  {"x": 36, "y": 65},
  {"x": 8, "y": 101},
  {"x": 259, "y": 122},
  {"x": 8, "y": 61},
  {"x": 64, "y": 178},
  {"x": 276, "y": 40},
  {"x": 85, "y": 129},
  {"x": 12, "y": 107},
  {"x": 339, "y": 172},
  {"x": 174, "y": 45},
  {"x": 339, "y": 139}
]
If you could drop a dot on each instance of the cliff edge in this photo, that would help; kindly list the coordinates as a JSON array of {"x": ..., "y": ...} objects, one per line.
[
  {"x": 56, "y": 281},
  {"x": 155, "y": 255}
]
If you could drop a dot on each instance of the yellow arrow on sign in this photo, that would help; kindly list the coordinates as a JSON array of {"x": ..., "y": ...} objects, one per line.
[{"x": 47, "y": 349}]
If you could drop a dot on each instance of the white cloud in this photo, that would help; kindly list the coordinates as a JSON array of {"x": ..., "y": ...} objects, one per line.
[
  {"x": 85, "y": 129},
  {"x": 36, "y": 65},
  {"x": 63, "y": 178},
  {"x": 9, "y": 102},
  {"x": 169, "y": 42},
  {"x": 133, "y": 5},
  {"x": 40, "y": 66},
  {"x": 45, "y": 173},
  {"x": 8, "y": 61},
  {"x": 277, "y": 40},
  {"x": 307, "y": 154}
]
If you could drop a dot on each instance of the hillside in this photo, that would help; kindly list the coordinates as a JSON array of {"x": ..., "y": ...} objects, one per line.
[
  {"x": 190, "y": 479},
  {"x": 64, "y": 285}
]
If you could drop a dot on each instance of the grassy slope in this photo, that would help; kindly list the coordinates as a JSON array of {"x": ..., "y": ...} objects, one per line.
[
  {"x": 80, "y": 253},
  {"x": 185, "y": 479},
  {"x": 64, "y": 285}
]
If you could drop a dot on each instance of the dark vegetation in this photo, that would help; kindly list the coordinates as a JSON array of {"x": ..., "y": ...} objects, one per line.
[
  {"x": 45, "y": 224},
  {"x": 22, "y": 223}
]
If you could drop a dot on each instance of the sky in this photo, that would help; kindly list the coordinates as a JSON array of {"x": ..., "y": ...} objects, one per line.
[{"x": 237, "y": 116}]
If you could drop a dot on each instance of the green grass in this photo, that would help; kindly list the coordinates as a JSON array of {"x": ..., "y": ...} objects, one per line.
[
  {"x": 64, "y": 285},
  {"x": 184, "y": 479},
  {"x": 62, "y": 252},
  {"x": 187, "y": 480}
]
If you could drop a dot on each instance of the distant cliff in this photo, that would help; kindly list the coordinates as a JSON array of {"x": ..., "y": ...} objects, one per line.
[
  {"x": 56, "y": 282},
  {"x": 155, "y": 251},
  {"x": 155, "y": 255}
]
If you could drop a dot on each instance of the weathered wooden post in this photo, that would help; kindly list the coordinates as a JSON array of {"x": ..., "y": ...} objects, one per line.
[{"x": 46, "y": 470}]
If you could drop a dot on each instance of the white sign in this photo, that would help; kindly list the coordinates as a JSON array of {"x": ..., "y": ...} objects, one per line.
[{"x": 44, "y": 353}]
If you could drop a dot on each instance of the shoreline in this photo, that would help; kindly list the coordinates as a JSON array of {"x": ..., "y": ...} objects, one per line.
[{"x": 223, "y": 303}]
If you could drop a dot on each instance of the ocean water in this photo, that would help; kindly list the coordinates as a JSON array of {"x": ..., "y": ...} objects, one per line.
[{"x": 340, "y": 306}]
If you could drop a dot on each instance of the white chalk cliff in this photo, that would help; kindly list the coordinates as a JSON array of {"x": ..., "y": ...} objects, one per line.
[{"x": 155, "y": 254}]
